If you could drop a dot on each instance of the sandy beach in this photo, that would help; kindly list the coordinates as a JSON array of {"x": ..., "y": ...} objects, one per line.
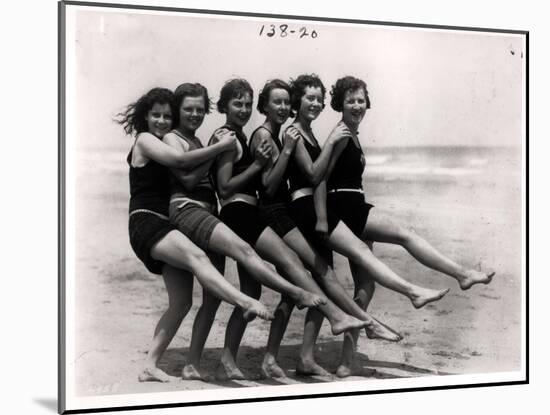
[{"x": 473, "y": 218}]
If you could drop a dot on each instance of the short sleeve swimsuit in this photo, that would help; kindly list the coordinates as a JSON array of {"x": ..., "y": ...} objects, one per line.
[{"x": 345, "y": 189}]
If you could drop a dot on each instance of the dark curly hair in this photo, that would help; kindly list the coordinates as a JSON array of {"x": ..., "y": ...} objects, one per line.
[
  {"x": 190, "y": 90},
  {"x": 263, "y": 97},
  {"x": 343, "y": 85},
  {"x": 133, "y": 117},
  {"x": 298, "y": 87},
  {"x": 234, "y": 88}
]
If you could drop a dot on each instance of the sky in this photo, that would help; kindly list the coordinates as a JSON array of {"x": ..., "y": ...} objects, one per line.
[{"x": 427, "y": 86}]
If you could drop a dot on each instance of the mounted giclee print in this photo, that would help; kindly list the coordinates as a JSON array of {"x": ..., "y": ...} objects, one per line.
[{"x": 222, "y": 177}]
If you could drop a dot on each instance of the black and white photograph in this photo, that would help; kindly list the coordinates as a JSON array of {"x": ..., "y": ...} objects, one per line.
[{"x": 263, "y": 206}]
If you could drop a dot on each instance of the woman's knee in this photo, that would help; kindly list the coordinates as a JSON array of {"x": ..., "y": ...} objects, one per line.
[
  {"x": 243, "y": 249},
  {"x": 197, "y": 258},
  {"x": 403, "y": 235}
]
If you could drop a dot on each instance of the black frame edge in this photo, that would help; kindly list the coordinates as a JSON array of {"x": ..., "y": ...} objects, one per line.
[
  {"x": 61, "y": 310},
  {"x": 293, "y": 17}
]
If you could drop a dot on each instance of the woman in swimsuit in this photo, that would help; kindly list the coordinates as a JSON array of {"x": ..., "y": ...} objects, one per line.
[
  {"x": 193, "y": 210},
  {"x": 306, "y": 170},
  {"x": 159, "y": 245},
  {"x": 274, "y": 103},
  {"x": 237, "y": 180},
  {"x": 346, "y": 200}
]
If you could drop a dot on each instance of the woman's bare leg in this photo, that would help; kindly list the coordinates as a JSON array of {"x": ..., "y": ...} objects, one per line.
[
  {"x": 270, "y": 367},
  {"x": 364, "y": 291},
  {"x": 179, "y": 286},
  {"x": 236, "y": 327},
  {"x": 202, "y": 325},
  {"x": 327, "y": 279},
  {"x": 273, "y": 249},
  {"x": 380, "y": 228},
  {"x": 322, "y": 273},
  {"x": 178, "y": 251},
  {"x": 307, "y": 366},
  {"x": 343, "y": 241},
  {"x": 224, "y": 241}
]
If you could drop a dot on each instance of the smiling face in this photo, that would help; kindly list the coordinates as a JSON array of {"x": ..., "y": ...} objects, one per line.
[
  {"x": 311, "y": 103},
  {"x": 354, "y": 107},
  {"x": 159, "y": 119},
  {"x": 277, "y": 107},
  {"x": 192, "y": 112},
  {"x": 239, "y": 110}
]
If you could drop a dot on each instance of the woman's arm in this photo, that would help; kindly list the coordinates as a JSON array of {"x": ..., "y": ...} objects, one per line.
[
  {"x": 228, "y": 184},
  {"x": 320, "y": 193},
  {"x": 336, "y": 152},
  {"x": 315, "y": 171},
  {"x": 171, "y": 153},
  {"x": 189, "y": 179},
  {"x": 273, "y": 173},
  {"x": 320, "y": 205}
]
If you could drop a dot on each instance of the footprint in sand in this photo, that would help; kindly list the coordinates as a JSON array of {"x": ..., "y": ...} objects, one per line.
[
  {"x": 450, "y": 355},
  {"x": 459, "y": 295},
  {"x": 490, "y": 297}
]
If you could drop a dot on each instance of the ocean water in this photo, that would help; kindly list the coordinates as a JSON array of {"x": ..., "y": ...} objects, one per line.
[
  {"x": 440, "y": 163},
  {"x": 486, "y": 177},
  {"x": 383, "y": 163}
]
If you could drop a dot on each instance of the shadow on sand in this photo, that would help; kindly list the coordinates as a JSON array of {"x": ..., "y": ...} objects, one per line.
[{"x": 327, "y": 355}]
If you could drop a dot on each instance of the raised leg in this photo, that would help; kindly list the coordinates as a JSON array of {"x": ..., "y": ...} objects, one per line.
[
  {"x": 382, "y": 229},
  {"x": 322, "y": 273},
  {"x": 178, "y": 251},
  {"x": 224, "y": 241},
  {"x": 343, "y": 241},
  {"x": 275, "y": 250}
]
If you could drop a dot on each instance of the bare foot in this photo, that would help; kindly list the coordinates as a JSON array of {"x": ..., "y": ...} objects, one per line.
[
  {"x": 307, "y": 299},
  {"x": 343, "y": 371},
  {"x": 475, "y": 277},
  {"x": 376, "y": 330},
  {"x": 228, "y": 370},
  {"x": 310, "y": 368},
  {"x": 154, "y": 374},
  {"x": 189, "y": 372},
  {"x": 346, "y": 324},
  {"x": 255, "y": 308},
  {"x": 424, "y": 296},
  {"x": 271, "y": 369}
]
